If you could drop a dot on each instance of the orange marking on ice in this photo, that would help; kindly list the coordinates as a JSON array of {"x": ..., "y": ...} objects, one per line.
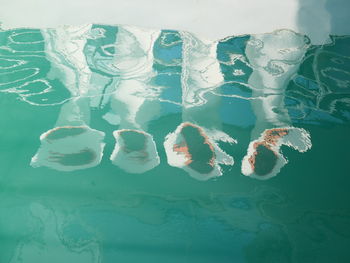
[{"x": 183, "y": 148}]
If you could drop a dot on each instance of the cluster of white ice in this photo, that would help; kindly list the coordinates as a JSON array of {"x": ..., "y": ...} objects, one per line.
[{"x": 118, "y": 75}]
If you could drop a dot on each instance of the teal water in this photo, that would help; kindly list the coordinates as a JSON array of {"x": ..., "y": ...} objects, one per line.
[{"x": 120, "y": 144}]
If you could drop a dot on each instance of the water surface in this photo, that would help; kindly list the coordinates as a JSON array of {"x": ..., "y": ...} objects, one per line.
[{"x": 125, "y": 144}]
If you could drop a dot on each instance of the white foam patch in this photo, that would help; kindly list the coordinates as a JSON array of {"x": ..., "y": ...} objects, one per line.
[
  {"x": 135, "y": 161},
  {"x": 179, "y": 160},
  {"x": 52, "y": 152},
  {"x": 111, "y": 118},
  {"x": 217, "y": 135},
  {"x": 297, "y": 138}
]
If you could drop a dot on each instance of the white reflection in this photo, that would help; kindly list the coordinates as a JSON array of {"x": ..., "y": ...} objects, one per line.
[{"x": 275, "y": 58}]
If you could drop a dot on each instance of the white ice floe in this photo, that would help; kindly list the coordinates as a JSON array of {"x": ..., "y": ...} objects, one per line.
[
  {"x": 297, "y": 138},
  {"x": 69, "y": 148},
  {"x": 182, "y": 158},
  {"x": 134, "y": 160}
]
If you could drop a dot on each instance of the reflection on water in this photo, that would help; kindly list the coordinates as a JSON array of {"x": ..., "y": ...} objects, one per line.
[{"x": 167, "y": 124}]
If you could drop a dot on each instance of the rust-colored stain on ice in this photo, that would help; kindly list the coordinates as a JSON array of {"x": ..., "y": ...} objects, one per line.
[
  {"x": 273, "y": 135},
  {"x": 198, "y": 150},
  {"x": 264, "y": 158},
  {"x": 65, "y": 131}
]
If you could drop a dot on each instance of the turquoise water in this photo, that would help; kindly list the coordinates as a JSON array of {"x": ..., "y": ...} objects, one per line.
[{"x": 121, "y": 144}]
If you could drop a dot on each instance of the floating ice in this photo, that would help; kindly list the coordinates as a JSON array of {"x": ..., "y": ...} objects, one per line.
[
  {"x": 264, "y": 158},
  {"x": 135, "y": 151},
  {"x": 69, "y": 148},
  {"x": 195, "y": 150},
  {"x": 133, "y": 76}
]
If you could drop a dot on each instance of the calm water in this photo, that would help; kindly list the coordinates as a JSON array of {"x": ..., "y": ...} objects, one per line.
[{"x": 121, "y": 144}]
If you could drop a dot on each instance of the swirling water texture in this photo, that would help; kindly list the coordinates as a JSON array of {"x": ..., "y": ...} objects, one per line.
[{"x": 105, "y": 214}]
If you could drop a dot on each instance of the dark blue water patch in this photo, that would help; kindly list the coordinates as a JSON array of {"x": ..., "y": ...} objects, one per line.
[
  {"x": 333, "y": 75},
  {"x": 296, "y": 114},
  {"x": 100, "y": 48},
  {"x": 170, "y": 108},
  {"x": 312, "y": 116},
  {"x": 171, "y": 55},
  {"x": 168, "y": 48},
  {"x": 328, "y": 108},
  {"x": 170, "y": 38},
  {"x": 306, "y": 83},
  {"x": 170, "y": 85},
  {"x": 231, "y": 45},
  {"x": 346, "y": 114},
  {"x": 320, "y": 90},
  {"x": 290, "y": 102},
  {"x": 167, "y": 52},
  {"x": 237, "y": 112},
  {"x": 237, "y": 70},
  {"x": 236, "y": 88},
  {"x": 167, "y": 69},
  {"x": 339, "y": 45}
]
